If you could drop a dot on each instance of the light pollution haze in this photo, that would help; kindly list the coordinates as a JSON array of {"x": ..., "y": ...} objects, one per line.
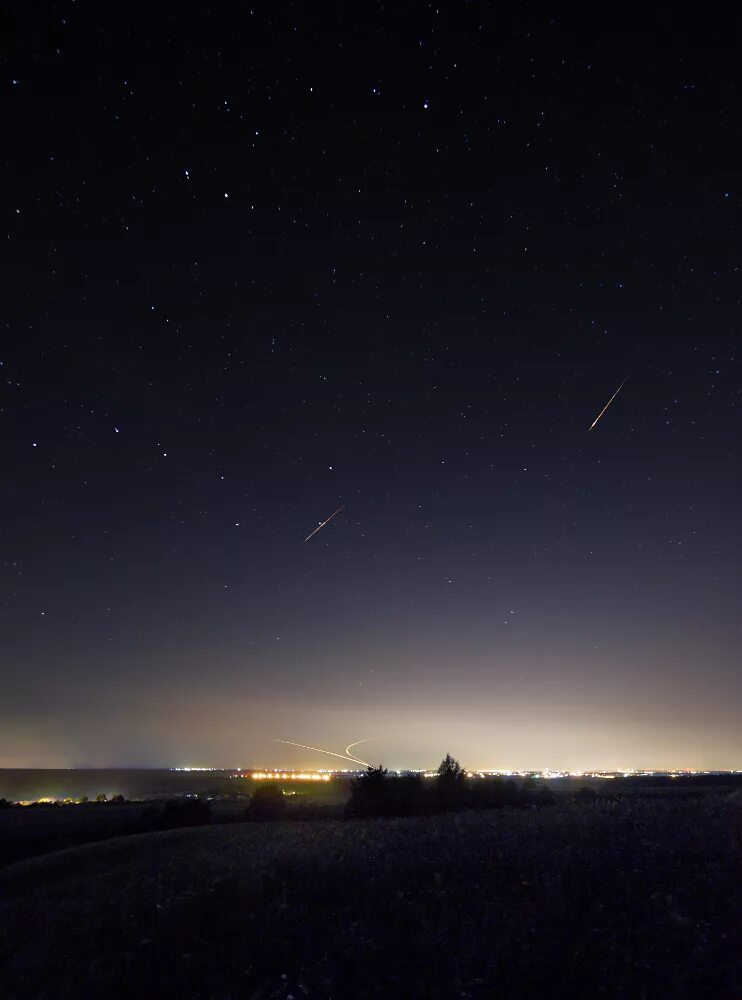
[{"x": 629, "y": 724}]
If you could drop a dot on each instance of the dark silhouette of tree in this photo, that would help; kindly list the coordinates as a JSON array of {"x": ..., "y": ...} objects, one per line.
[
  {"x": 370, "y": 794},
  {"x": 185, "y": 812},
  {"x": 267, "y": 803},
  {"x": 449, "y": 768},
  {"x": 450, "y": 785},
  {"x": 407, "y": 794},
  {"x": 4, "y": 804}
]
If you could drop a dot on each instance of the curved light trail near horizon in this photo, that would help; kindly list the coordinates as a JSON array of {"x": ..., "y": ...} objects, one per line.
[
  {"x": 342, "y": 756},
  {"x": 357, "y": 743}
]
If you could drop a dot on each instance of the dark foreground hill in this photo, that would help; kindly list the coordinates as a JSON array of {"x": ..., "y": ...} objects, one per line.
[{"x": 612, "y": 899}]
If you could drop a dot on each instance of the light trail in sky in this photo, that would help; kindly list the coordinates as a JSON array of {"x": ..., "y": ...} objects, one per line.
[
  {"x": 321, "y": 526},
  {"x": 357, "y": 743},
  {"x": 332, "y": 753},
  {"x": 607, "y": 404}
]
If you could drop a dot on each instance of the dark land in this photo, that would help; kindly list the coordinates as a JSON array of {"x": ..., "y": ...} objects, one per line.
[
  {"x": 45, "y": 826},
  {"x": 622, "y": 894},
  {"x": 132, "y": 783}
]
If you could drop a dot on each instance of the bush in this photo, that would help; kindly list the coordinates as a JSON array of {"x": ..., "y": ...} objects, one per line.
[
  {"x": 370, "y": 793},
  {"x": 268, "y": 802},
  {"x": 185, "y": 812},
  {"x": 407, "y": 795}
]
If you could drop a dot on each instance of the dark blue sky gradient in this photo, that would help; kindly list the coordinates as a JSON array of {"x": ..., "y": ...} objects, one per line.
[{"x": 265, "y": 261}]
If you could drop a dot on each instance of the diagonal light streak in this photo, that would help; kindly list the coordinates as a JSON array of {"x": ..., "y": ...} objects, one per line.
[
  {"x": 608, "y": 403},
  {"x": 321, "y": 526}
]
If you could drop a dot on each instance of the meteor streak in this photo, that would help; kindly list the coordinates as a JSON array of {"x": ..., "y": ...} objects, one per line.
[
  {"x": 320, "y": 526},
  {"x": 602, "y": 411}
]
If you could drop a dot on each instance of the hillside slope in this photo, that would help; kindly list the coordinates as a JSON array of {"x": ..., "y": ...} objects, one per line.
[{"x": 610, "y": 900}]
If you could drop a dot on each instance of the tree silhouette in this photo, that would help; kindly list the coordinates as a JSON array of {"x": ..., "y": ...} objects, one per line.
[
  {"x": 450, "y": 785},
  {"x": 185, "y": 812},
  {"x": 450, "y": 769},
  {"x": 407, "y": 794},
  {"x": 369, "y": 793}
]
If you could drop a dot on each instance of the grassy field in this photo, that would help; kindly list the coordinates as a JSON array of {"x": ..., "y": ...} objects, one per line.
[
  {"x": 630, "y": 899},
  {"x": 27, "y": 832},
  {"x": 30, "y": 831}
]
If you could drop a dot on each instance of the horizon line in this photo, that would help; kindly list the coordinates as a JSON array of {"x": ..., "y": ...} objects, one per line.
[{"x": 338, "y": 770}]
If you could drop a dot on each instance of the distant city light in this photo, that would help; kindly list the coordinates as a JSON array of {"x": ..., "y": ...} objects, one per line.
[
  {"x": 289, "y": 776},
  {"x": 546, "y": 774}
]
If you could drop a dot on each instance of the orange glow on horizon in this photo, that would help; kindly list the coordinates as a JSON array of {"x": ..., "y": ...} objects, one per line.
[{"x": 288, "y": 776}]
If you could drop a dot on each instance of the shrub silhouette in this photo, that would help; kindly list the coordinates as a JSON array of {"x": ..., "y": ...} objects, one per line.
[
  {"x": 267, "y": 802},
  {"x": 407, "y": 795},
  {"x": 185, "y": 812},
  {"x": 370, "y": 793}
]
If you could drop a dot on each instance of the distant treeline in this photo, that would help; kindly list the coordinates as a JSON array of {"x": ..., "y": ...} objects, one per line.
[
  {"x": 101, "y": 799},
  {"x": 379, "y": 793},
  {"x": 684, "y": 780}
]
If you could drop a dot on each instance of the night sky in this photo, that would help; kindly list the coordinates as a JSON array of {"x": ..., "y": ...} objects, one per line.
[{"x": 265, "y": 260}]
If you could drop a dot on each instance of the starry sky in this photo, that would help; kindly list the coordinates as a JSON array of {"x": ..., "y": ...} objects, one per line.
[{"x": 264, "y": 260}]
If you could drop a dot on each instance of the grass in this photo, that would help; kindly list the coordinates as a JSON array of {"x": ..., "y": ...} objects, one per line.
[
  {"x": 27, "y": 832},
  {"x": 630, "y": 899},
  {"x": 30, "y": 831}
]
